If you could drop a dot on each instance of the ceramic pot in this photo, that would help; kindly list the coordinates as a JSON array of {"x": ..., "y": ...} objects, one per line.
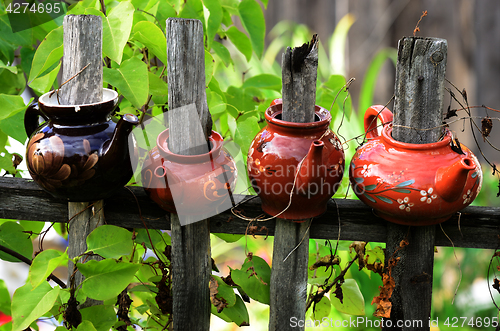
[
  {"x": 78, "y": 153},
  {"x": 190, "y": 185},
  {"x": 305, "y": 159},
  {"x": 412, "y": 184}
]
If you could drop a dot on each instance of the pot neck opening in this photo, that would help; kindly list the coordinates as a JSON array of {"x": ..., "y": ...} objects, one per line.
[{"x": 387, "y": 137}]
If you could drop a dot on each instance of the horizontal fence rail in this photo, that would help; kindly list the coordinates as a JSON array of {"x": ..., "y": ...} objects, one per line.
[{"x": 22, "y": 199}]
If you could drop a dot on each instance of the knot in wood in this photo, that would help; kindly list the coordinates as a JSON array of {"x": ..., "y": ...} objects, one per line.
[{"x": 437, "y": 57}]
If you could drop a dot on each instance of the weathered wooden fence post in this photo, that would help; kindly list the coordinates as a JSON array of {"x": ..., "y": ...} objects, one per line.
[
  {"x": 191, "y": 261},
  {"x": 289, "y": 277},
  {"x": 418, "y": 114},
  {"x": 82, "y": 47}
]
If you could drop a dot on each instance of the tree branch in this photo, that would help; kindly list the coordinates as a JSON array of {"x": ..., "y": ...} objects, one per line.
[{"x": 29, "y": 262}]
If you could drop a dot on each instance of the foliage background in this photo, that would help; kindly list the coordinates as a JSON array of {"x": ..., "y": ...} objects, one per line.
[{"x": 246, "y": 76}]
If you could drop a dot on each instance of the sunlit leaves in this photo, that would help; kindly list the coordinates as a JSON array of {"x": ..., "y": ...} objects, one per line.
[
  {"x": 44, "y": 83},
  {"x": 13, "y": 237},
  {"x": 240, "y": 41},
  {"x": 49, "y": 52},
  {"x": 214, "y": 19},
  {"x": 245, "y": 132},
  {"x": 44, "y": 264},
  {"x": 254, "y": 278},
  {"x": 353, "y": 301},
  {"x": 30, "y": 303},
  {"x": 222, "y": 52},
  {"x": 253, "y": 20},
  {"x": 107, "y": 278},
  {"x": 116, "y": 29},
  {"x": 110, "y": 241},
  {"x": 264, "y": 81},
  {"x": 153, "y": 38},
  {"x": 131, "y": 79}
]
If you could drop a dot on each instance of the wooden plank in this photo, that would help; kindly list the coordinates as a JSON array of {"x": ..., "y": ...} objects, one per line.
[
  {"x": 288, "y": 290},
  {"x": 418, "y": 105},
  {"x": 82, "y": 49},
  {"x": 22, "y": 199},
  {"x": 191, "y": 260}
]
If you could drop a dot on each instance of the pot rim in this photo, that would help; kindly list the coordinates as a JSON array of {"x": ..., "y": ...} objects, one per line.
[
  {"x": 387, "y": 137},
  {"x": 274, "y": 110},
  {"x": 49, "y": 99},
  {"x": 215, "y": 140}
]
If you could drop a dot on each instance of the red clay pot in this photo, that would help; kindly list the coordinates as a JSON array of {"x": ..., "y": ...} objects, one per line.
[
  {"x": 412, "y": 184},
  {"x": 190, "y": 185},
  {"x": 309, "y": 154}
]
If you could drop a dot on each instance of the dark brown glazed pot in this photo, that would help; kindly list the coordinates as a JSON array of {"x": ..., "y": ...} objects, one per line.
[
  {"x": 190, "y": 185},
  {"x": 307, "y": 157},
  {"x": 78, "y": 153}
]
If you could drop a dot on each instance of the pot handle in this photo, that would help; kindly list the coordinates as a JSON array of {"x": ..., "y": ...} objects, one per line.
[
  {"x": 370, "y": 119},
  {"x": 31, "y": 117}
]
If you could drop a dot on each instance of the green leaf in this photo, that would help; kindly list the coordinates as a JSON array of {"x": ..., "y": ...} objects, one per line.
[
  {"x": 215, "y": 103},
  {"x": 12, "y": 69},
  {"x": 222, "y": 52},
  {"x": 13, "y": 125},
  {"x": 370, "y": 187},
  {"x": 369, "y": 197},
  {"x": 116, "y": 29},
  {"x": 12, "y": 83},
  {"x": 257, "y": 285},
  {"x": 322, "y": 309},
  {"x": 142, "y": 236},
  {"x": 44, "y": 264},
  {"x": 243, "y": 100},
  {"x": 264, "y": 2},
  {"x": 229, "y": 238},
  {"x": 102, "y": 317},
  {"x": 131, "y": 79},
  {"x": 384, "y": 199},
  {"x": 153, "y": 38},
  {"x": 21, "y": 38},
  {"x": 377, "y": 253},
  {"x": 156, "y": 85},
  {"x": 7, "y": 51},
  {"x": 240, "y": 41},
  {"x": 333, "y": 90},
  {"x": 86, "y": 326},
  {"x": 5, "y": 302},
  {"x": 28, "y": 304},
  {"x": 107, "y": 278},
  {"x": 254, "y": 23},
  {"x": 45, "y": 83},
  {"x": 353, "y": 302},
  {"x": 49, "y": 52},
  {"x": 214, "y": 20},
  {"x": 406, "y": 183},
  {"x": 371, "y": 76},
  {"x": 246, "y": 131},
  {"x": 358, "y": 179},
  {"x": 193, "y": 9},
  {"x": 237, "y": 313},
  {"x": 209, "y": 67},
  {"x": 13, "y": 237},
  {"x": 264, "y": 81},
  {"x": 401, "y": 190},
  {"x": 337, "y": 44},
  {"x": 110, "y": 241},
  {"x": 225, "y": 292}
]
